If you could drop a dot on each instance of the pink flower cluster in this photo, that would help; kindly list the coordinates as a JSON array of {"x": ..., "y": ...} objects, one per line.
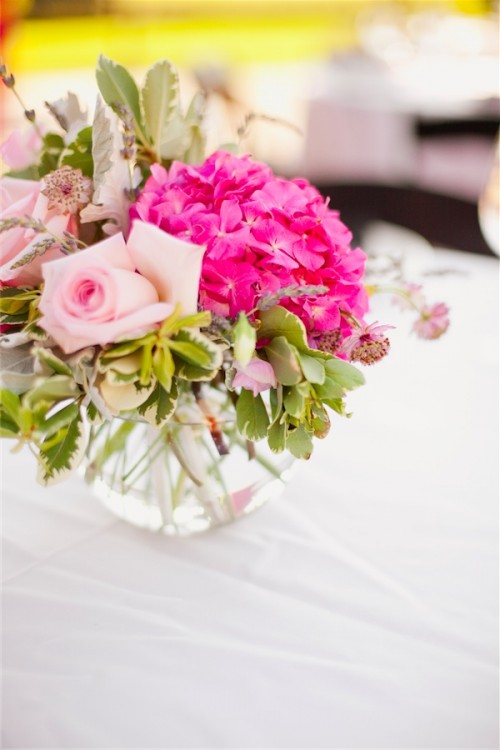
[{"x": 262, "y": 233}]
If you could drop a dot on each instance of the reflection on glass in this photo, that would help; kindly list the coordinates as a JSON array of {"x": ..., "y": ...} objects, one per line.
[{"x": 489, "y": 205}]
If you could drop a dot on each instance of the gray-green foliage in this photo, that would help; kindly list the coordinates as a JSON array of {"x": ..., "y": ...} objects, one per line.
[{"x": 163, "y": 131}]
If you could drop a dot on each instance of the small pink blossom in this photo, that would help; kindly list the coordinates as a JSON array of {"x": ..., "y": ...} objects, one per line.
[
  {"x": 329, "y": 341},
  {"x": 433, "y": 321},
  {"x": 67, "y": 190},
  {"x": 367, "y": 344},
  {"x": 21, "y": 149},
  {"x": 258, "y": 375}
]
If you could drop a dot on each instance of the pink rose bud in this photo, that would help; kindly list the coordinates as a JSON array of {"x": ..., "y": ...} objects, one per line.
[{"x": 258, "y": 375}]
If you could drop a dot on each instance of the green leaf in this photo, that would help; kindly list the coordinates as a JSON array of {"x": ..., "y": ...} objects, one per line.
[
  {"x": 252, "y": 418},
  {"x": 276, "y": 403},
  {"x": 10, "y": 404},
  {"x": 176, "y": 139},
  {"x": 118, "y": 87},
  {"x": 192, "y": 353},
  {"x": 49, "y": 358},
  {"x": 201, "y": 352},
  {"x": 328, "y": 390},
  {"x": 30, "y": 173},
  {"x": 8, "y": 428},
  {"x": 10, "y": 292},
  {"x": 174, "y": 323},
  {"x": 54, "y": 388},
  {"x": 320, "y": 422},
  {"x": 160, "y": 101},
  {"x": 294, "y": 402},
  {"x": 313, "y": 368},
  {"x": 245, "y": 338},
  {"x": 299, "y": 442},
  {"x": 200, "y": 360},
  {"x": 94, "y": 416},
  {"x": 14, "y": 305},
  {"x": 171, "y": 324},
  {"x": 78, "y": 154},
  {"x": 14, "y": 319},
  {"x": 186, "y": 371},
  {"x": 53, "y": 145},
  {"x": 163, "y": 367},
  {"x": 337, "y": 405},
  {"x": 25, "y": 420},
  {"x": 57, "y": 421},
  {"x": 59, "y": 458},
  {"x": 195, "y": 154},
  {"x": 160, "y": 405},
  {"x": 343, "y": 373},
  {"x": 124, "y": 348},
  {"x": 196, "y": 320},
  {"x": 280, "y": 322},
  {"x": 146, "y": 364},
  {"x": 102, "y": 144},
  {"x": 115, "y": 377},
  {"x": 35, "y": 332},
  {"x": 284, "y": 360},
  {"x": 276, "y": 437}
]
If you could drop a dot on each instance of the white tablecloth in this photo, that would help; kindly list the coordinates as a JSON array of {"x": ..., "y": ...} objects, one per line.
[{"x": 357, "y": 610}]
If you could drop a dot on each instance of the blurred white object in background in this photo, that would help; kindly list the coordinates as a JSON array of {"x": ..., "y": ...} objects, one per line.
[
  {"x": 409, "y": 252},
  {"x": 382, "y": 112}
]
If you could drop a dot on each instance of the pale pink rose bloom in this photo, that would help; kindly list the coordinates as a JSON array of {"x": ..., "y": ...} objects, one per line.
[
  {"x": 19, "y": 198},
  {"x": 258, "y": 375},
  {"x": 433, "y": 321},
  {"x": 116, "y": 289},
  {"x": 21, "y": 149}
]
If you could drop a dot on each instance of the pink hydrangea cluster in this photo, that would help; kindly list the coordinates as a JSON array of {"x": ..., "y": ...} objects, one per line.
[{"x": 262, "y": 233}]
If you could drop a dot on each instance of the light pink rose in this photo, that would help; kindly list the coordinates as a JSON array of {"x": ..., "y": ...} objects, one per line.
[
  {"x": 116, "y": 289},
  {"x": 19, "y": 198},
  {"x": 258, "y": 375},
  {"x": 21, "y": 149}
]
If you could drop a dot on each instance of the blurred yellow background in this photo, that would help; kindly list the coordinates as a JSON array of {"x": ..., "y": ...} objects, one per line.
[{"x": 54, "y": 34}]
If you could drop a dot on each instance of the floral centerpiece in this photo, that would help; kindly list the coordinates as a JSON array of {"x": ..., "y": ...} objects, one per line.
[{"x": 164, "y": 311}]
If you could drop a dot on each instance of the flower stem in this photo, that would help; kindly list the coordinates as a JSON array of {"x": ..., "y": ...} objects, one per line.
[
  {"x": 386, "y": 289},
  {"x": 275, "y": 472}
]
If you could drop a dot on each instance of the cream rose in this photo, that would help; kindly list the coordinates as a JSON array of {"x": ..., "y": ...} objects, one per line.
[
  {"x": 116, "y": 289},
  {"x": 23, "y": 198}
]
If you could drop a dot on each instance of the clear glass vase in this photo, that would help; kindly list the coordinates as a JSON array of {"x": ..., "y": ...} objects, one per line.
[{"x": 184, "y": 478}]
